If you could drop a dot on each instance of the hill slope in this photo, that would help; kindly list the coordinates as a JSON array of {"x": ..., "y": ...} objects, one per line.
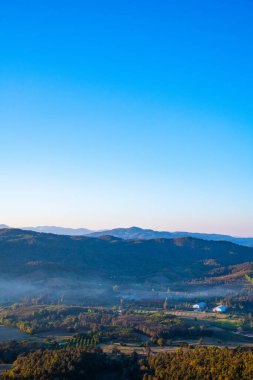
[{"x": 27, "y": 253}]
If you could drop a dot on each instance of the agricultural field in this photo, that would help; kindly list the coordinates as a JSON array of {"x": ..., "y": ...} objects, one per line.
[
  {"x": 126, "y": 332},
  {"x": 125, "y": 327},
  {"x": 9, "y": 334}
]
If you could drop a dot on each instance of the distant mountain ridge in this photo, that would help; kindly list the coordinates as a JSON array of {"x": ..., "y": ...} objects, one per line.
[
  {"x": 55, "y": 230},
  {"x": 137, "y": 233},
  {"x": 3, "y": 226},
  {"x": 79, "y": 266},
  {"x": 59, "y": 230},
  {"x": 140, "y": 233}
]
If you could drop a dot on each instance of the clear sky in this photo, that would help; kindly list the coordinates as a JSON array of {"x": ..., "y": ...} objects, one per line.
[{"x": 120, "y": 113}]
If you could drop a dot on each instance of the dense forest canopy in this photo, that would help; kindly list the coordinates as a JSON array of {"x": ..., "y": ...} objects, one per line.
[
  {"x": 27, "y": 252},
  {"x": 185, "y": 364}
]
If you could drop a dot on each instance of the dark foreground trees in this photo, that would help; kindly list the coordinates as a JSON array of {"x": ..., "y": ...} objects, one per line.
[
  {"x": 202, "y": 363},
  {"x": 68, "y": 364},
  {"x": 185, "y": 364}
]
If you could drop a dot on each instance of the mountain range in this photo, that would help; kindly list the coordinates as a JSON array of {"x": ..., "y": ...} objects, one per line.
[
  {"x": 63, "y": 262},
  {"x": 137, "y": 233},
  {"x": 55, "y": 230},
  {"x": 59, "y": 230},
  {"x": 140, "y": 233}
]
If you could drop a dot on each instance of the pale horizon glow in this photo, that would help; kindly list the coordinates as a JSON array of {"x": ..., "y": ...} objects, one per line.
[
  {"x": 155, "y": 228},
  {"x": 123, "y": 114}
]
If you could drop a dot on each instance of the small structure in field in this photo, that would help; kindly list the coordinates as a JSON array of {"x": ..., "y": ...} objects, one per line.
[
  {"x": 220, "y": 309},
  {"x": 199, "y": 306}
]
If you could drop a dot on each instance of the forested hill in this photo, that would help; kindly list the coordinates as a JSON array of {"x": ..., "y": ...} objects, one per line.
[
  {"x": 137, "y": 233},
  {"x": 39, "y": 255}
]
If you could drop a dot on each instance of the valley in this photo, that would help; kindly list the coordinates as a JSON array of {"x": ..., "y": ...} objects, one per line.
[{"x": 125, "y": 299}]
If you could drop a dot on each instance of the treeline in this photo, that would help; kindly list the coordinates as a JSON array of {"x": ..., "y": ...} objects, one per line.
[
  {"x": 9, "y": 351},
  {"x": 68, "y": 364},
  {"x": 203, "y": 363},
  {"x": 106, "y": 324},
  {"x": 161, "y": 326},
  {"x": 50, "y": 318}
]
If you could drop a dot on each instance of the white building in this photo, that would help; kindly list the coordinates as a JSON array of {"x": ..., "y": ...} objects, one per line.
[{"x": 220, "y": 309}]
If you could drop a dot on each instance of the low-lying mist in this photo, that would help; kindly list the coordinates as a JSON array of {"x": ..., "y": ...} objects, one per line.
[
  {"x": 203, "y": 292},
  {"x": 55, "y": 290},
  {"x": 101, "y": 292}
]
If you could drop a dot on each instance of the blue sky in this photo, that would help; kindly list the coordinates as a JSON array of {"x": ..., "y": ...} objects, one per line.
[{"x": 117, "y": 114}]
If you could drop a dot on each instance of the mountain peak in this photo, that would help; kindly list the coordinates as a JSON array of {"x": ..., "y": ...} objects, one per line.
[{"x": 2, "y": 226}]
